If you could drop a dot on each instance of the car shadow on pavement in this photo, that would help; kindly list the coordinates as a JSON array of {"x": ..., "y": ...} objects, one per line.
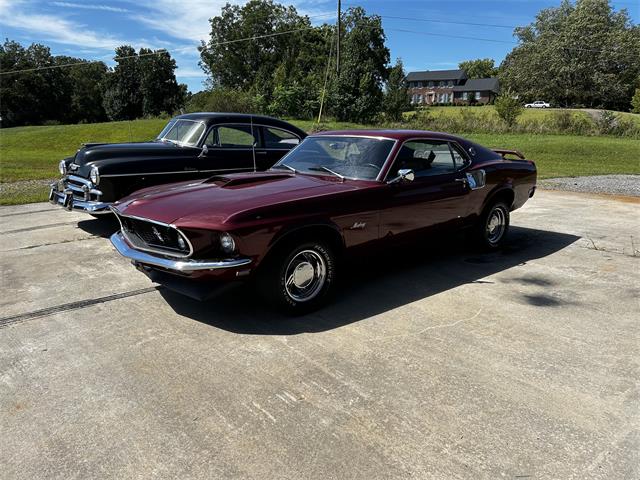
[
  {"x": 105, "y": 226},
  {"x": 370, "y": 288}
]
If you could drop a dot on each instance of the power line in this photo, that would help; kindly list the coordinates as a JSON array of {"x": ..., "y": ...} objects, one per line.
[
  {"x": 275, "y": 34},
  {"x": 491, "y": 25}
]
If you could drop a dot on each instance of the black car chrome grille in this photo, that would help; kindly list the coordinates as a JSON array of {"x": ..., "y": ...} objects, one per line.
[{"x": 148, "y": 235}]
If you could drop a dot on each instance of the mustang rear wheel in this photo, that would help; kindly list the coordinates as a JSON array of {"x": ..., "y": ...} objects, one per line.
[
  {"x": 299, "y": 278},
  {"x": 493, "y": 226}
]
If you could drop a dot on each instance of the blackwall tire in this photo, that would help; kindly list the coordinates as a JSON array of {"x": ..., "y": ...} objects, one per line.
[
  {"x": 493, "y": 226},
  {"x": 299, "y": 278}
]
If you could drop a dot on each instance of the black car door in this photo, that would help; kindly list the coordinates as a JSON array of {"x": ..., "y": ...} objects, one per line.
[
  {"x": 229, "y": 148},
  {"x": 276, "y": 143}
]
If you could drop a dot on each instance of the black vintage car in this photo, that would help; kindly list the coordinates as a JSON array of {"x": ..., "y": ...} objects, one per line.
[{"x": 195, "y": 145}]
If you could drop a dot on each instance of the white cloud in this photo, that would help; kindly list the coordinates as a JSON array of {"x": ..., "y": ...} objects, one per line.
[
  {"x": 90, "y": 6},
  {"x": 179, "y": 19},
  {"x": 26, "y": 18},
  {"x": 190, "y": 20}
]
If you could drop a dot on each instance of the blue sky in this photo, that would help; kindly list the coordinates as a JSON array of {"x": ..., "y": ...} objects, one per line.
[{"x": 93, "y": 28}]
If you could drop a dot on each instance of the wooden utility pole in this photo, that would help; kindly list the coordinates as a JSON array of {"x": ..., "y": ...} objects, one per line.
[{"x": 339, "y": 27}]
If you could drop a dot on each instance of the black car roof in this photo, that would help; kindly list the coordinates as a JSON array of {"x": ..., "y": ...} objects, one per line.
[{"x": 211, "y": 118}]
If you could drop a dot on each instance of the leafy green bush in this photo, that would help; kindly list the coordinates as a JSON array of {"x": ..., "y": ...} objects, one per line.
[
  {"x": 635, "y": 102},
  {"x": 606, "y": 122},
  {"x": 508, "y": 107}
]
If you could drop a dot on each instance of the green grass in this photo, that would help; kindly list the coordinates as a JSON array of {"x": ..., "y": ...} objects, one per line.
[{"x": 33, "y": 153}]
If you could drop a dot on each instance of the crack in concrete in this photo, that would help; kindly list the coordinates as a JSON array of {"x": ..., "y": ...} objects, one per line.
[{"x": 13, "y": 319}]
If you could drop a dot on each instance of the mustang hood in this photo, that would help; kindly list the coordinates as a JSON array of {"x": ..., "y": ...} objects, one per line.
[{"x": 214, "y": 201}]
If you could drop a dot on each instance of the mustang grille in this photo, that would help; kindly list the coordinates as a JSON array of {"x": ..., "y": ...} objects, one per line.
[{"x": 148, "y": 235}]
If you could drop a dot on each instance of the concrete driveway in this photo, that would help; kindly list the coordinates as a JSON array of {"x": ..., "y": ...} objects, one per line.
[{"x": 443, "y": 363}]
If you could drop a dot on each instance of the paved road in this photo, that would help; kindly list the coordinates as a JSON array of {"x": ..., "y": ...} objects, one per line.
[{"x": 439, "y": 364}]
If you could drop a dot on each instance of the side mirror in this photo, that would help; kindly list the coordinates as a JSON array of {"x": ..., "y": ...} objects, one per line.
[
  {"x": 404, "y": 175},
  {"x": 204, "y": 151}
]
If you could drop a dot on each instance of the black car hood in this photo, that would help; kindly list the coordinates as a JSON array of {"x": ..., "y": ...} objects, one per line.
[{"x": 105, "y": 154}]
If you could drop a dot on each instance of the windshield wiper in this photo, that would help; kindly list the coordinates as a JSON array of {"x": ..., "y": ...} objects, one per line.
[
  {"x": 280, "y": 165},
  {"x": 322, "y": 168}
]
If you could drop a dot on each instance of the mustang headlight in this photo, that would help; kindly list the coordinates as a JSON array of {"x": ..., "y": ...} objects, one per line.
[
  {"x": 227, "y": 244},
  {"x": 62, "y": 166},
  {"x": 95, "y": 175}
]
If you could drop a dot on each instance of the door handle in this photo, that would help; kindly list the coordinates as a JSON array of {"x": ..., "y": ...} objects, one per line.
[
  {"x": 261, "y": 152},
  {"x": 190, "y": 169},
  {"x": 462, "y": 180}
]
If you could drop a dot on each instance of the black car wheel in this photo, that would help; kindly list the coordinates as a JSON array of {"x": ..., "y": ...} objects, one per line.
[
  {"x": 493, "y": 226},
  {"x": 298, "y": 279}
]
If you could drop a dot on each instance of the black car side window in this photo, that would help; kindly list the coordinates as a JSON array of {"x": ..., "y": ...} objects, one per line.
[
  {"x": 425, "y": 158},
  {"x": 276, "y": 138},
  {"x": 232, "y": 136}
]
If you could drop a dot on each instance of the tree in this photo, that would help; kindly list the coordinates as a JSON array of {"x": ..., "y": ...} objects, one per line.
[
  {"x": 39, "y": 93},
  {"x": 269, "y": 65},
  {"x": 479, "y": 68},
  {"x": 582, "y": 54},
  {"x": 158, "y": 86},
  {"x": 122, "y": 99},
  {"x": 508, "y": 107},
  {"x": 85, "y": 81},
  {"x": 356, "y": 94},
  {"x": 396, "y": 97},
  {"x": 635, "y": 101}
]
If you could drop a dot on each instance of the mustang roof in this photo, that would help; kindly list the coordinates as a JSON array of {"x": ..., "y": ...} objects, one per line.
[{"x": 392, "y": 134}]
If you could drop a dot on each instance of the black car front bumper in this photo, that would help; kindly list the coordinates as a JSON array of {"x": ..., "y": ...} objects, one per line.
[{"x": 77, "y": 193}]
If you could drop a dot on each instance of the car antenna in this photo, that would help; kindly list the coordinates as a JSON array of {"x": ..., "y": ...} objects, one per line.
[{"x": 253, "y": 146}]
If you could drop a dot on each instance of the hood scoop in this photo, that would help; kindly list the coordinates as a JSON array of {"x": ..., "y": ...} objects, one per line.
[{"x": 245, "y": 180}]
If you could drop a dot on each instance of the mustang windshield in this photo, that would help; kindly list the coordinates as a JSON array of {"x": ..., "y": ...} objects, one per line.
[
  {"x": 182, "y": 132},
  {"x": 359, "y": 158}
]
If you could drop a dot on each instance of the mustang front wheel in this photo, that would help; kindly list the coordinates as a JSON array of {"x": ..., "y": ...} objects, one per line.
[{"x": 299, "y": 279}]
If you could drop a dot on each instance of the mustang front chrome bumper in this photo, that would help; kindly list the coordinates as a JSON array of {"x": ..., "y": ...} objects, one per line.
[
  {"x": 77, "y": 193},
  {"x": 181, "y": 266}
]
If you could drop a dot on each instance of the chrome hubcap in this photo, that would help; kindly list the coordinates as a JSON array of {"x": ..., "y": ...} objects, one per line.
[
  {"x": 305, "y": 275},
  {"x": 496, "y": 225}
]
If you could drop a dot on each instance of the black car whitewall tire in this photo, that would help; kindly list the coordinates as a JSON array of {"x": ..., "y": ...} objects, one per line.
[
  {"x": 299, "y": 278},
  {"x": 493, "y": 226}
]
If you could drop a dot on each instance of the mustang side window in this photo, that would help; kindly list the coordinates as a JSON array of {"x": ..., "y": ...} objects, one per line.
[
  {"x": 232, "y": 136},
  {"x": 280, "y": 139},
  {"x": 425, "y": 158}
]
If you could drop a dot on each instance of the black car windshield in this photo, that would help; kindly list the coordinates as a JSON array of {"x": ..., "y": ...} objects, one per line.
[
  {"x": 359, "y": 158},
  {"x": 182, "y": 132}
]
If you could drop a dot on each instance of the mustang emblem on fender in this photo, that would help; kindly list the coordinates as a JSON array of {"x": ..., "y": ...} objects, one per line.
[{"x": 358, "y": 226}]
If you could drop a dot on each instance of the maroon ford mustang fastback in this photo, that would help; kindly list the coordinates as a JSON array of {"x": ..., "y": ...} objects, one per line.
[{"x": 336, "y": 193}]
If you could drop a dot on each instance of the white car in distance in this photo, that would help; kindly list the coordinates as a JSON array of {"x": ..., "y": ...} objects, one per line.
[{"x": 537, "y": 104}]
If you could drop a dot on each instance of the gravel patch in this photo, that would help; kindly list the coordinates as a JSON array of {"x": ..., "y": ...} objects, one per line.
[
  {"x": 610, "y": 184},
  {"x": 25, "y": 186}
]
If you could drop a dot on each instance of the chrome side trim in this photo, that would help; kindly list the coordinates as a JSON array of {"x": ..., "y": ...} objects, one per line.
[
  {"x": 117, "y": 213},
  {"x": 118, "y": 241},
  {"x": 239, "y": 170}
]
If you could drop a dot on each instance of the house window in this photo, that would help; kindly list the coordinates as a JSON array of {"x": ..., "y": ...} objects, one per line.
[
  {"x": 419, "y": 84},
  {"x": 431, "y": 84},
  {"x": 419, "y": 98},
  {"x": 441, "y": 84},
  {"x": 450, "y": 83},
  {"x": 465, "y": 96},
  {"x": 477, "y": 95}
]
